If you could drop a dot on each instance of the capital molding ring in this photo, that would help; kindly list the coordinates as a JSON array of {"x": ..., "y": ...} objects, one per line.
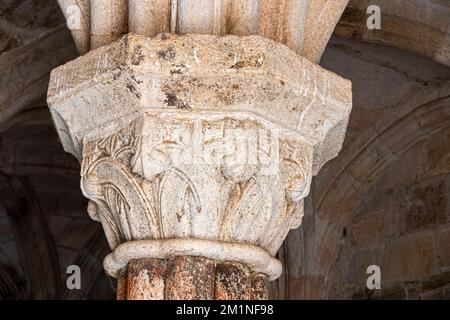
[{"x": 256, "y": 258}]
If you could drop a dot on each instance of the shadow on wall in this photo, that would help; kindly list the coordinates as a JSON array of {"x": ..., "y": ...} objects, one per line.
[{"x": 384, "y": 200}]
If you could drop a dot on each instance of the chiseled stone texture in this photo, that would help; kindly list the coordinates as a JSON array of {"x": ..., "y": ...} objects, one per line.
[
  {"x": 304, "y": 26},
  {"x": 198, "y": 137},
  {"x": 190, "y": 278},
  {"x": 198, "y": 73}
]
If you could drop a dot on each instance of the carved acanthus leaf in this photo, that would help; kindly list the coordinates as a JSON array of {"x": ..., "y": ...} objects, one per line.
[{"x": 220, "y": 179}]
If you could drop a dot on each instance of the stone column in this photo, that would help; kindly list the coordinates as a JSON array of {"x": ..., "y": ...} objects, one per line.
[
  {"x": 196, "y": 154},
  {"x": 190, "y": 278}
]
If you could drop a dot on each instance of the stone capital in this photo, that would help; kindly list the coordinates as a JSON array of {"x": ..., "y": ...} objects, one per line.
[{"x": 198, "y": 145}]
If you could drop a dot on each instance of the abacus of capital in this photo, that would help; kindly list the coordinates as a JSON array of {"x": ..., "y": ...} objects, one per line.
[{"x": 196, "y": 153}]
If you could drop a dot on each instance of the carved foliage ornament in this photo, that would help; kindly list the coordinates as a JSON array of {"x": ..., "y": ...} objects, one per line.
[
  {"x": 198, "y": 145},
  {"x": 220, "y": 179}
]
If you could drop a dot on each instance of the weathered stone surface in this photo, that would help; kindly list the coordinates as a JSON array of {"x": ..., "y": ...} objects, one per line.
[
  {"x": 198, "y": 145},
  {"x": 122, "y": 285},
  {"x": 145, "y": 280},
  {"x": 190, "y": 278},
  {"x": 304, "y": 26},
  {"x": 323, "y": 15},
  {"x": 258, "y": 77},
  {"x": 77, "y": 13}
]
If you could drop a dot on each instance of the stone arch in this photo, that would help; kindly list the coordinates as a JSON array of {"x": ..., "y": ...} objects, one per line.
[
  {"x": 39, "y": 187},
  {"x": 363, "y": 160}
]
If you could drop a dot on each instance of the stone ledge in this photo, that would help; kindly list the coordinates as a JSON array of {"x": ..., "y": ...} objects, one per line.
[{"x": 199, "y": 73}]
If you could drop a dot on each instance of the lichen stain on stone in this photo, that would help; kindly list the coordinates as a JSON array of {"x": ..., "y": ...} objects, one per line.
[
  {"x": 254, "y": 61},
  {"x": 139, "y": 81},
  {"x": 172, "y": 101},
  {"x": 232, "y": 281},
  {"x": 137, "y": 56},
  {"x": 167, "y": 54},
  {"x": 224, "y": 97},
  {"x": 133, "y": 90},
  {"x": 190, "y": 277},
  {"x": 177, "y": 69}
]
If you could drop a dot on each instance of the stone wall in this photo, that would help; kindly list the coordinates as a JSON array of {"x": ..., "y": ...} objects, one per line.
[{"x": 384, "y": 200}]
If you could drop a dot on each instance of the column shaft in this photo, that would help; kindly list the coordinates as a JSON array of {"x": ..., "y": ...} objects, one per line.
[{"x": 189, "y": 278}]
